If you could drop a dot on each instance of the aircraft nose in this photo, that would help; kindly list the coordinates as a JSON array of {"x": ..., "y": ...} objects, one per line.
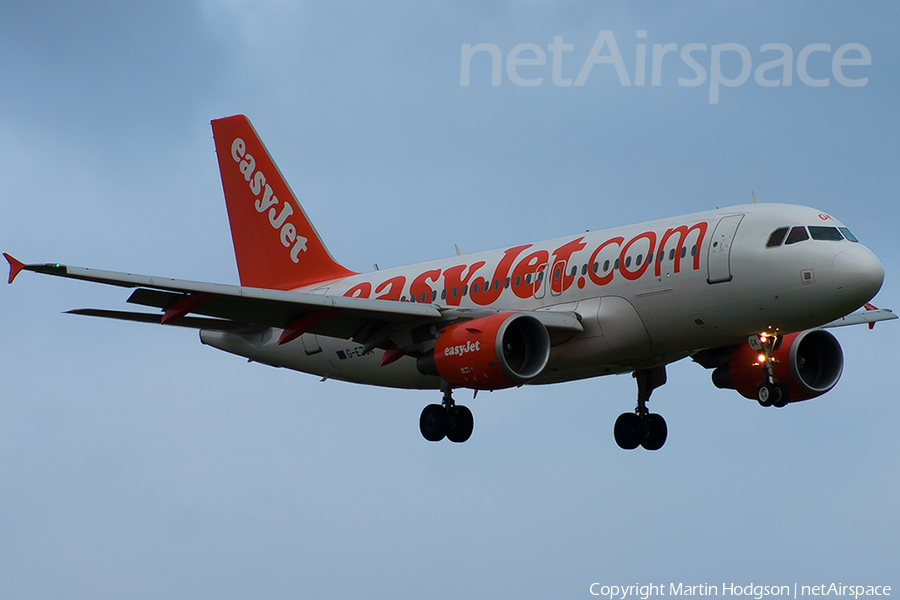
[{"x": 858, "y": 272}]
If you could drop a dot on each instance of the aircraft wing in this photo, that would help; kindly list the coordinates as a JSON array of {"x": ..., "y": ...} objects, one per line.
[
  {"x": 233, "y": 307},
  {"x": 870, "y": 315}
]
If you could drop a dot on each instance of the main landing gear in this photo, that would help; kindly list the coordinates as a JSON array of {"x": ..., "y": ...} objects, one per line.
[
  {"x": 641, "y": 427},
  {"x": 446, "y": 419},
  {"x": 768, "y": 392}
]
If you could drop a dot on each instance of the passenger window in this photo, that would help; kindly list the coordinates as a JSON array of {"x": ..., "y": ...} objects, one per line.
[
  {"x": 828, "y": 234},
  {"x": 777, "y": 237},
  {"x": 847, "y": 234},
  {"x": 797, "y": 234},
  {"x": 672, "y": 254}
]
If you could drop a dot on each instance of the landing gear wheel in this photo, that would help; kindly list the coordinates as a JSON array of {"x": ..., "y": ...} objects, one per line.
[
  {"x": 461, "y": 423},
  {"x": 657, "y": 431},
  {"x": 628, "y": 431},
  {"x": 767, "y": 394},
  {"x": 782, "y": 400},
  {"x": 433, "y": 422}
]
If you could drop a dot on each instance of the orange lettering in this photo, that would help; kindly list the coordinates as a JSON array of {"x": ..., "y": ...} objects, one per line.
[
  {"x": 606, "y": 278},
  {"x": 561, "y": 255},
  {"x": 360, "y": 290},
  {"x": 682, "y": 232},
  {"x": 528, "y": 266},
  {"x": 489, "y": 290},
  {"x": 395, "y": 288},
  {"x": 632, "y": 275},
  {"x": 420, "y": 286}
]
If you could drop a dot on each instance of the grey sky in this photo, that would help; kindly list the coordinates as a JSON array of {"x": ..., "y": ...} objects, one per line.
[{"x": 136, "y": 463}]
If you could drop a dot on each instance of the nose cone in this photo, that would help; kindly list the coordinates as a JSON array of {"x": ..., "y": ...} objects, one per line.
[{"x": 858, "y": 273}]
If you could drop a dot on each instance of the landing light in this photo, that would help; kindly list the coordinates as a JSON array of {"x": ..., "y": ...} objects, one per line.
[{"x": 761, "y": 358}]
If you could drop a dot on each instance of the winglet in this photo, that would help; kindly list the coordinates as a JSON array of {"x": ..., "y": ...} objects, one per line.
[
  {"x": 15, "y": 266},
  {"x": 869, "y": 316},
  {"x": 870, "y": 306}
]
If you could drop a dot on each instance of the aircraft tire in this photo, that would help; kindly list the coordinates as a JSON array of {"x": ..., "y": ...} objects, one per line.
[
  {"x": 628, "y": 431},
  {"x": 461, "y": 424},
  {"x": 657, "y": 432},
  {"x": 433, "y": 422},
  {"x": 782, "y": 396},
  {"x": 766, "y": 394}
]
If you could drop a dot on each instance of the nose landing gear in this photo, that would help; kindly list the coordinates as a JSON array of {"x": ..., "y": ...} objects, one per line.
[
  {"x": 770, "y": 392},
  {"x": 641, "y": 427},
  {"x": 446, "y": 419}
]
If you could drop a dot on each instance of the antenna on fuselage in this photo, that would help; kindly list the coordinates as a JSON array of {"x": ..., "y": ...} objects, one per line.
[
  {"x": 752, "y": 193},
  {"x": 458, "y": 253}
]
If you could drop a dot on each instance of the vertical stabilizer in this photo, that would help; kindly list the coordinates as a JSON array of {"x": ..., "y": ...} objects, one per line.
[{"x": 275, "y": 244}]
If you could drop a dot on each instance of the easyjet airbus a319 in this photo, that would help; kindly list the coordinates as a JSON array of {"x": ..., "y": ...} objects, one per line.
[{"x": 745, "y": 291}]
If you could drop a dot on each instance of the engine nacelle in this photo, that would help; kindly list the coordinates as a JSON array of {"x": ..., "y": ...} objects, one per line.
[
  {"x": 490, "y": 353},
  {"x": 810, "y": 363}
]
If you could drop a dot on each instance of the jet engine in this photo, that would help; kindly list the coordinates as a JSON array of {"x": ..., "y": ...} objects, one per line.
[
  {"x": 489, "y": 353},
  {"x": 809, "y": 363}
]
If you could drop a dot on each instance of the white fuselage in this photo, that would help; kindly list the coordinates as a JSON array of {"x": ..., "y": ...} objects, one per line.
[{"x": 710, "y": 281}]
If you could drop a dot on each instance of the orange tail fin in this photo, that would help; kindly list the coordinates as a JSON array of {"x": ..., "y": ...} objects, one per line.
[{"x": 275, "y": 244}]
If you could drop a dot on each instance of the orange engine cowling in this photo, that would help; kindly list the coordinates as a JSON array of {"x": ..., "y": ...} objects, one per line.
[
  {"x": 810, "y": 363},
  {"x": 490, "y": 353}
]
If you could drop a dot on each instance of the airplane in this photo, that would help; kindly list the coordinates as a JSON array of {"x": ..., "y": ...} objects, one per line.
[{"x": 746, "y": 291}]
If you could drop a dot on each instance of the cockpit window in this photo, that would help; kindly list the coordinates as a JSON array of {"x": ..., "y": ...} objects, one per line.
[
  {"x": 847, "y": 234},
  {"x": 777, "y": 237},
  {"x": 797, "y": 234},
  {"x": 828, "y": 234}
]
